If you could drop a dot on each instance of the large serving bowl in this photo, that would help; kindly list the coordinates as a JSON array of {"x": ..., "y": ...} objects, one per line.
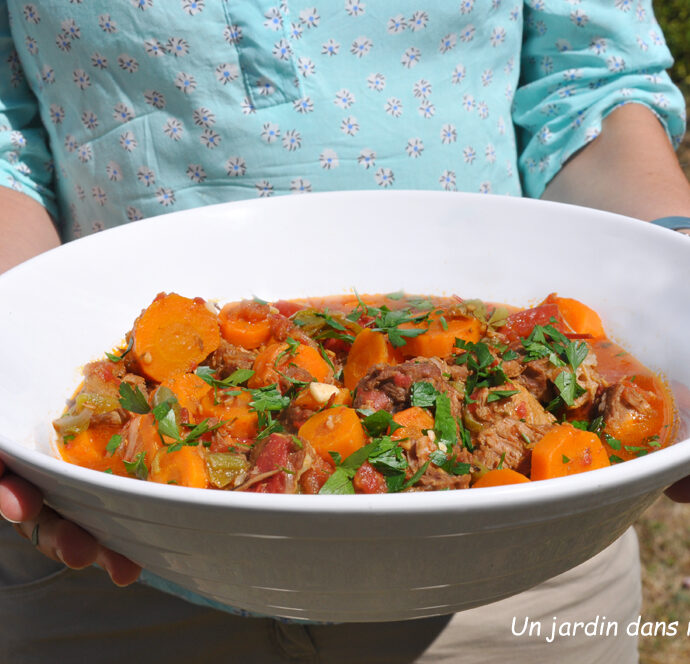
[{"x": 344, "y": 558}]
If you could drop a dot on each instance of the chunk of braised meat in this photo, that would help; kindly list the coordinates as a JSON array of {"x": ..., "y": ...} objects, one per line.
[
  {"x": 314, "y": 477},
  {"x": 228, "y": 358},
  {"x": 100, "y": 391},
  {"x": 388, "y": 387},
  {"x": 539, "y": 376},
  {"x": 277, "y": 461},
  {"x": 506, "y": 428},
  {"x": 296, "y": 414},
  {"x": 626, "y": 406},
  {"x": 417, "y": 450}
]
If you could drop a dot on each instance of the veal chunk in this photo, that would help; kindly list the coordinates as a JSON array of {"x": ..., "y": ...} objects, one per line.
[
  {"x": 417, "y": 450},
  {"x": 387, "y": 387},
  {"x": 630, "y": 412},
  {"x": 505, "y": 428},
  {"x": 228, "y": 358}
]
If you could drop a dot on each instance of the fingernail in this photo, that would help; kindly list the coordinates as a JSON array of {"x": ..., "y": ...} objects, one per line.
[
  {"x": 4, "y": 516},
  {"x": 60, "y": 557}
]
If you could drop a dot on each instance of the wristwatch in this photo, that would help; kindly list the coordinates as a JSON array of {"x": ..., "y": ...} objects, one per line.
[{"x": 680, "y": 224}]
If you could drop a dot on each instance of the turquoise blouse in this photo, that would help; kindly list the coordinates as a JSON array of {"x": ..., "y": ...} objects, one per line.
[{"x": 114, "y": 111}]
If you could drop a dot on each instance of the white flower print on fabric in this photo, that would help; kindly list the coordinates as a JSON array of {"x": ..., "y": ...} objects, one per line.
[
  {"x": 97, "y": 226},
  {"x": 329, "y": 159},
  {"x": 84, "y": 153},
  {"x": 466, "y": 6},
  {"x": 203, "y": 117},
  {"x": 426, "y": 109},
  {"x": 467, "y": 34},
  {"x": 89, "y": 119},
  {"x": 469, "y": 154},
  {"x": 376, "y": 82},
  {"x": 615, "y": 64},
  {"x": 300, "y": 186},
  {"x": 396, "y": 24},
  {"x": 174, "y": 129},
  {"x": 367, "y": 158},
  {"x": 468, "y": 103},
  {"x": 304, "y": 105},
  {"x": 449, "y": 134},
  {"x": 310, "y": 17},
  {"x": 354, "y": 7},
  {"x": 361, "y": 46},
  {"x": 418, "y": 21},
  {"x": 192, "y": 7},
  {"x": 185, "y": 82},
  {"x": 490, "y": 154},
  {"x": 349, "y": 126},
  {"x": 394, "y": 107},
  {"x": 414, "y": 148},
  {"x": 196, "y": 173},
  {"x": 485, "y": 188},
  {"x": 448, "y": 43},
  {"x": 384, "y": 177},
  {"x": 177, "y": 46},
  {"x": 270, "y": 132},
  {"x": 331, "y": 47},
  {"x": 146, "y": 176},
  {"x": 210, "y": 139},
  {"x": 234, "y": 167},
  {"x": 265, "y": 87},
  {"x": 154, "y": 48},
  {"x": 598, "y": 45},
  {"x": 421, "y": 88},
  {"x": 274, "y": 19},
  {"x": 344, "y": 98},
  {"x": 487, "y": 76},
  {"x": 142, "y": 4},
  {"x": 57, "y": 113},
  {"x": 225, "y": 73},
  {"x": 71, "y": 143},
  {"x": 155, "y": 99},
  {"x": 99, "y": 62},
  {"x": 296, "y": 31},
  {"x": 63, "y": 42},
  {"x": 165, "y": 196},
  {"x": 232, "y": 34},
  {"x": 264, "y": 188},
  {"x": 306, "y": 67},
  {"x": 81, "y": 79},
  {"x": 447, "y": 181},
  {"x": 107, "y": 24},
  {"x": 498, "y": 36},
  {"x": 459, "y": 74},
  {"x": 482, "y": 110},
  {"x": 624, "y": 5},
  {"x": 579, "y": 18},
  {"x": 31, "y": 14},
  {"x": 81, "y": 194},
  {"x": 113, "y": 171},
  {"x": 17, "y": 140},
  {"x": 410, "y": 57},
  {"x": 292, "y": 140},
  {"x": 69, "y": 27},
  {"x": 128, "y": 141},
  {"x": 31, "y": 45},
  {"x": 133, "y": 214}
]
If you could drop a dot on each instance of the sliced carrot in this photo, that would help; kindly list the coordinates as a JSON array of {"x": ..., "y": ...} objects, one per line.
[
  {"x": 277, "y": 358},
  {"x": 334, "y": 430},
  {"x": 500, "y": 477},
  {"x": 413, "y": 421},
  {"x": 579, "y": 317},
  {"x": 369, "y": 348},
  {"x": 235, "y": 411},
  {"x": 439, "y": 338},
  {"x": 245, "y": 324},
  {"x": 184, "y": 466},
  {"x": 174, "y": 335},
  {"x": 189, "y": 390},
  {"x": 565, "y": 450},
  {"x": 88, "y": 449}
]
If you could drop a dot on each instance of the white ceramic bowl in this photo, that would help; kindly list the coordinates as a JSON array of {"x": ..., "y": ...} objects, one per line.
[{"x": 343, "y": 558}]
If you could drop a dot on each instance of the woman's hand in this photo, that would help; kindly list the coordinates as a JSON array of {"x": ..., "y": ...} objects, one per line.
[{"x": 63, "y": 541}]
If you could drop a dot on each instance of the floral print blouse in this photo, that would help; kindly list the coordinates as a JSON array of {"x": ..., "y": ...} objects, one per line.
[{"x": 115, "y": 111}]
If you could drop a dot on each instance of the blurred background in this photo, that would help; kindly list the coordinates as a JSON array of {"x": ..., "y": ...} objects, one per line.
[{"x": 664, "y": 530}]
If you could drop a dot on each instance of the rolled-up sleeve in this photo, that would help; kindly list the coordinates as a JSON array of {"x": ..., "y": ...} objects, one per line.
[
  {"x": 25, "y": 161},
  {"x": 579, "y": 62}
]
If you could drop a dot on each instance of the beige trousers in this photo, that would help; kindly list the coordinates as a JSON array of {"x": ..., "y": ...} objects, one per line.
[{"x": 49, "y": 614}]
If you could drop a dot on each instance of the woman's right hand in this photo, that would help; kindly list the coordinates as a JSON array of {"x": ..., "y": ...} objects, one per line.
[{"x": 22, "y": 504}]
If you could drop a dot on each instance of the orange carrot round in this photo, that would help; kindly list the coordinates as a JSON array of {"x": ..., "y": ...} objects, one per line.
[
  {"x": 276, "y": 358},
  {"x": 334, "y": 430},
  {"x": 413, "y": 421},
  {"x": 369, "y": 348},
  {"x": 174, "y": 335},
  {"x": 189, "y": 390},
  {"x": 500, "y": 477},
  {"x": 565, "y": 450},
  {"x": 184, "y": 466},
  {"x": 235, "y": 411},
  {"x": 579, "y": 317},
  {"x": 439, "y": 338},
  {"x": 245, "y": 324},
  {"x": 88, "y": 449}
]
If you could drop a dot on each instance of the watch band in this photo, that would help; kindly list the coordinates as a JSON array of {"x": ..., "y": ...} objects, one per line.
[{"x": 674, "y": 223}]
